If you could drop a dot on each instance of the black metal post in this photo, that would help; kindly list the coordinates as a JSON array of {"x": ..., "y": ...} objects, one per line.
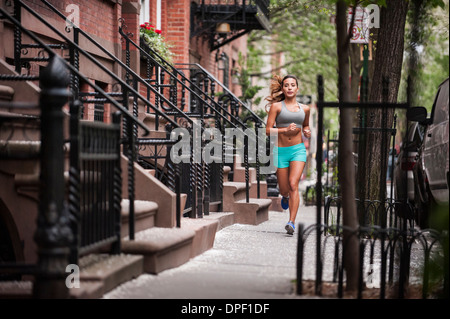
[
  {"x": 53, "y": 235},
  {"x": 247, "y": 175},
  {"x": 300, "y": 244},
  {"x": 319, "y": 152},
  {"x": 17, "y": 37}
]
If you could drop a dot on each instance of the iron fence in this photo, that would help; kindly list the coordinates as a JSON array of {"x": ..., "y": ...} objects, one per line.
[{"x": 394, "y": 255}]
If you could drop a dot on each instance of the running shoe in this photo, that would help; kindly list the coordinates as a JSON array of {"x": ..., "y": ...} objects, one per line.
[
  {"x": 290, "y": 228},
  {"x": 285, "y": 202}
]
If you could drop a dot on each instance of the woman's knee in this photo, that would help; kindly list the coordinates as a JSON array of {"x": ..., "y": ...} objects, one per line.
[{"x": 293, "y": 186}]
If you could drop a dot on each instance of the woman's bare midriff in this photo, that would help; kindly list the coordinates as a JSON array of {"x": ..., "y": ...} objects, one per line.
[{"x": 290, "y": 138}]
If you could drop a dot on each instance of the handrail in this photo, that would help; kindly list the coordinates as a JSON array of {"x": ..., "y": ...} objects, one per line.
[
  {"x": 100, "y": 65},
  {"x": 178, "y": 80},
  {"x": 73, "y": 69},
  {"x": 236, "y": 119},
  {"x": 135, "y": 75},
  {"x": 225, "y": 89}
]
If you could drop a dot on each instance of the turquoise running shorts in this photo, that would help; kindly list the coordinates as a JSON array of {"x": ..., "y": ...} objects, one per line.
[{"x": 284, "y": 155}]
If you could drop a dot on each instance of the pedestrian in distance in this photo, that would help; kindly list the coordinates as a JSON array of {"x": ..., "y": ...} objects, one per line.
[{"x": 289, "y": 120}]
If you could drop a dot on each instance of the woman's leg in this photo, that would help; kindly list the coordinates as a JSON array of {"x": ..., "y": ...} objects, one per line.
[
  {"x": 295, "y": 173},
  {"x": 283, "y": 181}
]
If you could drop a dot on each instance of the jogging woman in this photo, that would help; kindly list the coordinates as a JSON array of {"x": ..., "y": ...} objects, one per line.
[{"x": 288, "y": 119}]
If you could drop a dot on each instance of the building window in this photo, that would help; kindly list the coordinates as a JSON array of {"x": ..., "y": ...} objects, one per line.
[
  {"x": 223, "y": 63},
  {"x": 145, "y": 11}
]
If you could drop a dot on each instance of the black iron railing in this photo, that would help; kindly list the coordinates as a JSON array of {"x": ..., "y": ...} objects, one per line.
[
  {"x": 96, "y": 184},
  {"x": 103, "y": 175},
  {"x": 128, "y": 90},
  {"x": 226, "y": 100},
  {"x": 391, "y": 252},
  {"x": 203, "y": 107},
  {"x": 390, "y": 260}
]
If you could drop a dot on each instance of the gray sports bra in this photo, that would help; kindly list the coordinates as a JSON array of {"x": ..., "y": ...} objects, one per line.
[{"x": 286, "y": 117}]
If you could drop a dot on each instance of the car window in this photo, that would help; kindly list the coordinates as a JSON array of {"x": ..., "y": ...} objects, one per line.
[
  {"x": 440, "y": 109},
  {"x": 418, "y": 134}
]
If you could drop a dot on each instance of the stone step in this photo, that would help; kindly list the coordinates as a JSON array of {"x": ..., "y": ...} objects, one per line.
[
  {"x": 16, "y": 289},
  {"x": 144, "y": 215},
  {"x": 215, "y": 206},
  {"x": 6, "y": 93},
  {"x": 254, "y": 212},
  {"x": 205, "y": 232},
  {"x": 150, "y": 120},
  {"x": 162, "y": 248},
  {"x": 100, "y": 273},
  {"x": 262, "y": 189},
  {"x": 232, "y": 192},
  {"x": 24, "y": 91},
  {"x": 234, "y": 200},
  {"x": 224, "y": 219},
  {"x": 239, "y": 174}
]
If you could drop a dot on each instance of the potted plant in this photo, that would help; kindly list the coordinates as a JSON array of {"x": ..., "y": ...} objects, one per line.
[{"x": 153, "y": 39}]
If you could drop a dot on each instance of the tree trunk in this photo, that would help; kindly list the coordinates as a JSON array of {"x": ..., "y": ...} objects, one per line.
[
  {"x": 345, "y": 157},
  {"x": 356, "y": 66},
  {"x": 387, "y": 66}
]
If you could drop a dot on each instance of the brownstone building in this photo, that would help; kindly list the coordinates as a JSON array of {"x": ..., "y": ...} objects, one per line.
[{"x": 87, "y": 108}]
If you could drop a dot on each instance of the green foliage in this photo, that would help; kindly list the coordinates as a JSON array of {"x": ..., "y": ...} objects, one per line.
[
  {"x": 304, "y": 32},
  {"x": 243, "y": 76},
  {"x": 426, "y": 51},
  {"x": 248, "y": 90}
]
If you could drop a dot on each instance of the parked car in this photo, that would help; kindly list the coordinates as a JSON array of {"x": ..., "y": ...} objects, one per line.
[
  {"x": 432, "y": 170},
  {"x": 392, "y": 158},
  {"x": 403, "y": 171}
]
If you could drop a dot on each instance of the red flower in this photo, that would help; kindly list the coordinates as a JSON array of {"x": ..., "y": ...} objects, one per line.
[{"x": 158, "y": 31}]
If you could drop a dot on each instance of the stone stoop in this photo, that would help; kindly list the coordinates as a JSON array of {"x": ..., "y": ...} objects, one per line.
[
  {"x": 205, "y": 232},
  {"x": 16, "y": 289},
  {"x": 224, "y": 219},
  {"x": 162, "y": 248},
  {"x": 262, "y": 189},
  {"x": 254, "y": 212},
  {"x": 232, "y": 192},
  {"x": 144, "y": 215},
  {"x": 276, "y": 203},
  {"x": 100, "y": 273},
  {"x": 239, "y": 176}
]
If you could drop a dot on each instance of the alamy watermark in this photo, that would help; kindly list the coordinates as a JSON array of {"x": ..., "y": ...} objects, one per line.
[
  {"x": 73, "y": 19},
  {"x": 73, "y": 279},
  {"x": 209, "y": 146}
]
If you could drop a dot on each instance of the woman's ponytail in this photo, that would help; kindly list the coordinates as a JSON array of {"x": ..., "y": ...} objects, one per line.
[{"x": 276, "y": 92}]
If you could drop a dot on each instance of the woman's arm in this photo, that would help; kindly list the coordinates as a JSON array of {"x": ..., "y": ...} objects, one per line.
[
  {"x": 271, "y": 117},
  {"x": 306, "y": 129}
]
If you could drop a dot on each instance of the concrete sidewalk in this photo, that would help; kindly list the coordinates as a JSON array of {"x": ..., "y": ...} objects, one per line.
[{"x": 246, "y": 262}]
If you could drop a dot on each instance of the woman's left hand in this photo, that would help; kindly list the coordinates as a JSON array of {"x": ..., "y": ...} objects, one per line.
[{"x": 307, "y": 132}]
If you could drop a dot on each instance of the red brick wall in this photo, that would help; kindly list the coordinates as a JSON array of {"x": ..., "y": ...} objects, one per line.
[
  {"x": 178, "y": 27},
  {"x": 98, "y": 17}
]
